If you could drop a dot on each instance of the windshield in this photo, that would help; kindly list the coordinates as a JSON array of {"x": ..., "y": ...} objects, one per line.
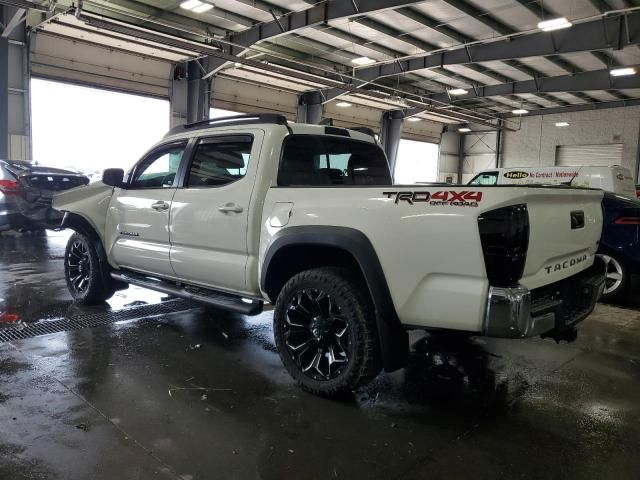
[{"x": 485, "y": 178}]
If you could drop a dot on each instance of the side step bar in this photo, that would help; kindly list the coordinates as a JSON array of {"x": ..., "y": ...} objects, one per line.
[{"x": 224, "y": 301}]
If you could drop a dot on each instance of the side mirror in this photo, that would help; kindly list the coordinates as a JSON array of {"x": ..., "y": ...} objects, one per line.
[{"x": 113, "y": 177}]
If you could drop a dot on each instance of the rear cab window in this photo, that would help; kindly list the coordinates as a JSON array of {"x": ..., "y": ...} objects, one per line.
[
  {"x": 485, "y": 178},
  {"x": 322, "y": 160}
]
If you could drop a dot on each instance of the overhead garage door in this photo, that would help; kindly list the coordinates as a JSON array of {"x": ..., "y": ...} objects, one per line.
[{"x": 595, "y": 155}]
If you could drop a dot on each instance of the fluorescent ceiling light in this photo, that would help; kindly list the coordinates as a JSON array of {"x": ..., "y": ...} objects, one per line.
[
  {"x": 554, "y": 24},
  {"x": 205, "y": 7},
  {"x": 458, "y": 91},
  {"x": 464, "y": 130},
  {"x": 343, "y": 104},
  {"x": 237, "y": 64},
  {"x": 190, "y": 4},
  {"x": 363, "y": 61},
  {"x": 562, "y": 124},
  {"x": 414, "y": 119},
  {"x": 621, "y": 72},
  {"x": 520, "y": 111},
  {"x": 196, "y": 6}
]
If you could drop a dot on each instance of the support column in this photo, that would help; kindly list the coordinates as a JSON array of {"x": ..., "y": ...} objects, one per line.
[
  {"x": 499, "y": 140},
  {"x": 310, "y": 108},
  {"x": 15, "y": 100},
  {"x": 190, "y": 93},
  {"x": 461, "y": 157},
  {"x": 4, "y": 98},
  {"x": 390, "y": 135}
]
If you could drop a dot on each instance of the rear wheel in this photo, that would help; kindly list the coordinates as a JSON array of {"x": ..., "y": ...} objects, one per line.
[
  {"x": 88, "y": 283},
  {"x": 617, "y": 279},
  {"x": 324, "y": 327}
]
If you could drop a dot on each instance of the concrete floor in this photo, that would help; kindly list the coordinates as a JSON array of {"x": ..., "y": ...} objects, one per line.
[{"x": 201, "y": 395}]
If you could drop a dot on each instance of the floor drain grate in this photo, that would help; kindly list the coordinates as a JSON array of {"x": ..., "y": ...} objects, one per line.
[{"x": 89, "y": 320}]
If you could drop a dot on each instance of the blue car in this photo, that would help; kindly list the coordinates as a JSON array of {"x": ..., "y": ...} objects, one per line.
[{"x": 620, "y": 244}]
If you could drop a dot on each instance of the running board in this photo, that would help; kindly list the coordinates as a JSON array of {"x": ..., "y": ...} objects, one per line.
[{"x": 224, "y": 301}]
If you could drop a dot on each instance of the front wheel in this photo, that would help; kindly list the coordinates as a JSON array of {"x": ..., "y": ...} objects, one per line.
[
  {"x": 617, "y": 279},
  {"x": 86, "y": 280},
  {"x": 325, "y": 331}
]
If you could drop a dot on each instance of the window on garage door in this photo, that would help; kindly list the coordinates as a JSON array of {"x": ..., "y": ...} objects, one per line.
[
  {"x": 417, "y": 162},
  {"x": 593, "y": 155}
]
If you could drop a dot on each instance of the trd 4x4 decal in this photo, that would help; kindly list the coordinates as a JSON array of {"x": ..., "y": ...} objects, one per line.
[{"x": 444, "y": 198}]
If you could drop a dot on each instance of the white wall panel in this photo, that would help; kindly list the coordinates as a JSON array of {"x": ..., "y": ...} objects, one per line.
[{"x": 536, "y": 142}]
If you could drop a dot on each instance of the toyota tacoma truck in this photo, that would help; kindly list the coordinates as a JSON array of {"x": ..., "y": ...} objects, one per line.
[{"x": 241, "y": 211}]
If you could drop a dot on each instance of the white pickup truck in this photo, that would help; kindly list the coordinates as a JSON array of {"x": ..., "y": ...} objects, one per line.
[{"x": 241, "y": 211}]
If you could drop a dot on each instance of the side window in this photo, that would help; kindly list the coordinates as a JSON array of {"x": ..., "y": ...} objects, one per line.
[
  {"x": 219, "y": 161},
  {"x": 489, "y": 178},
  {"x": 159, "y": 169},
  {"x": 331, "y": 161}
]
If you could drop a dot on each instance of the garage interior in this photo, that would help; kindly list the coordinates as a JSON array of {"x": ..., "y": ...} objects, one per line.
[{"x": 150, "y": 386}]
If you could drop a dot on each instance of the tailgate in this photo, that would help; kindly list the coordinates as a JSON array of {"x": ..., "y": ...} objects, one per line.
[{"x": 565, "y": 230}]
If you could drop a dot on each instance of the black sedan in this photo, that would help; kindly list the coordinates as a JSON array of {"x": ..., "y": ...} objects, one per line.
[
  {"x": 26, "y": 191},
  {"x": 620, "y": 244}
]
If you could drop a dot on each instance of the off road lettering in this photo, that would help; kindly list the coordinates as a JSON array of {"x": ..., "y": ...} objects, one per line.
[{"x": 441, "y": 198}]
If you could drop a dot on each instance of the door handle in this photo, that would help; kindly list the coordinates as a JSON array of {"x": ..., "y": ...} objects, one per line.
[
  {"x": 160, "y": 206},
  {"x": 230, "y": 208}
]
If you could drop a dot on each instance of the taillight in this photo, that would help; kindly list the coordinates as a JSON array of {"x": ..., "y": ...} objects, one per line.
[
  {"x": 9, "y": 187},
  {"x": 504, "y": 235},
  {"x": 627, "y": 221}
]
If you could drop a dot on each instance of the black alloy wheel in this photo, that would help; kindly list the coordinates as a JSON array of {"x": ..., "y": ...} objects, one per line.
[{"x": 317, "y": 334}]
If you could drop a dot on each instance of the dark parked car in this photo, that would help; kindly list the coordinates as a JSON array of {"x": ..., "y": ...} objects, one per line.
[
  {"x": 620, "y": 244},
  {"x": 26, "y": 191}
]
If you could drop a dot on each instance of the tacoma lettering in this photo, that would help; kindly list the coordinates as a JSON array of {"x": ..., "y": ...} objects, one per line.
[{"x": 558, "y": 267}]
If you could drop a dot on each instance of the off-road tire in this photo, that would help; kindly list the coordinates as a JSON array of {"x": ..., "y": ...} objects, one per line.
[
  {"x": 96, "y": 286},
  {"x": 353, "y": 301}
]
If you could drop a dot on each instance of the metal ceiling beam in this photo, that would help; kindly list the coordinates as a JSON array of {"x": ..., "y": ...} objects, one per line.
[
  {"x": 580, "y": 108},
  {"x": 595, "y": 80},
  {"x": 610, "y": 32},
  {"x": 16, "y": 19},
  {"x": 423, "y": 19},
  {"x": 316, "y": 15},
  {"x": 601, "y": 5},
  {"x": 23, "y": 4},
  {"x": 209, "y": 51},
  {"x": 382, "y": 28},
  {"x": 543, "y": 13},
  {"x": 217, "y": 12},
  {"x": 147, "y": 14}
]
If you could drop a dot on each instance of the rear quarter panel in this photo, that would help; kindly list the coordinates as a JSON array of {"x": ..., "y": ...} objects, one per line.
[{"x": 431, "y": 255}]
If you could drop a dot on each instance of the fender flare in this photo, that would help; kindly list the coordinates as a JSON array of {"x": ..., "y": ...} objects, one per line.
[
  {"x": 80, "y": 224},
  {"x": 393, "y": 337}
]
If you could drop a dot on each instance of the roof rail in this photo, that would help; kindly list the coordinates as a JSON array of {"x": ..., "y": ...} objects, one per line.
[
  {"x": 365, "y": 130},
  {"x": 246, "y": 119}
]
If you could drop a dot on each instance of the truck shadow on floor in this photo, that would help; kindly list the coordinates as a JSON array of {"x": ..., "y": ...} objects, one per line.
[{"x": 457, "y": 374}]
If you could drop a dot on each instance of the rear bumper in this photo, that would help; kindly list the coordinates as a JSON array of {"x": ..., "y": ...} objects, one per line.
[
  {"x": 551, "y": 310},
  {"x": 13, "y": 221}
]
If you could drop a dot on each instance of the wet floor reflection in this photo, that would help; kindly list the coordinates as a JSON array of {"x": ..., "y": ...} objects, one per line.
[
  {"x": 32, "y": 284},
  {"x": 458, "y": 374}
]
